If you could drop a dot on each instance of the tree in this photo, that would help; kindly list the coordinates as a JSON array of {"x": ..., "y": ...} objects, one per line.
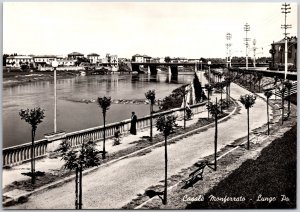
[
  {"x": 150, "y": 95},
  {"x": 214, "y": 110},
  {"x": 289, "y": 86},
  {"x": 4, "y": 59},
  {"x": 209, "y": 89},
  {"x": 282, "y": 90},
  {"x": 259, "y": 78},
  {"x": 81, "y": 60},
  {"x": 198, "y": 88},
  {"x": 79, "y": 159},
  {"x": 248, "y": 101},
  {"x": 166, "y": 125},
  {"x": 167, "y": 59},
  {"x": 268, "y": 94},
  {"x": 104, "y": 103},
  {"x": 183, "y": 93},
  {"x": 33, "y": 117}
]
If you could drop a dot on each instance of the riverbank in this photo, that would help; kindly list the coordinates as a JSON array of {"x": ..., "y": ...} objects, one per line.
[{"x": 20, "y": 78}]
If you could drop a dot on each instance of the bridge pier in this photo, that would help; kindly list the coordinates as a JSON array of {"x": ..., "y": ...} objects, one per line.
[
  {"x": 152, "y": 69},
  {"x": 135, "y": 67},
  {"x": 174, "y": 70}
]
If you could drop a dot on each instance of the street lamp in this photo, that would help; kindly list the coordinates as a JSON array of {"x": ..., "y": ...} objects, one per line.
[
  {"x": 209, "y": 63},
  {"x": 54, "y": 65},
  {"x": 201, "y": 72},
  {"x": 201, "y": 64}
]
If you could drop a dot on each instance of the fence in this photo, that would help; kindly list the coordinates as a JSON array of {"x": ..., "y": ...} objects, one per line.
[{"x": 21, "y": 153}]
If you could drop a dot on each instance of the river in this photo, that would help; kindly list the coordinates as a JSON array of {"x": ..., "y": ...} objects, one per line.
[{"x": 73, "y": 115}]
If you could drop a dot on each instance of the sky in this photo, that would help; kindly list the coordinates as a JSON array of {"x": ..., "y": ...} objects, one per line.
[{"x": 158, "y": 29}]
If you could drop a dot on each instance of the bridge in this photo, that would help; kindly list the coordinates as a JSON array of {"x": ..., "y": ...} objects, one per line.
[
  {"x": 268, "y": 73},
  {"x": 173, "y": 66},
  {"x": 152, "y": 67}
]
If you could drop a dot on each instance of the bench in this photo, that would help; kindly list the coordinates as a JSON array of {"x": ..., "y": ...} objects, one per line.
[{"x": 196, "y": 175}]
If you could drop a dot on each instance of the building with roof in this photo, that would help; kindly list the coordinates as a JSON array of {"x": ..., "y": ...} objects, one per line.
[
  {"x": 278, "y": 53},
  {"x": 93, "y": 58},
  {"x": 44, "y": 60},
  {"x": 75, "y": 55},
  {"x": 17, "y": 61},
  {"x": 141, "y": 58}
]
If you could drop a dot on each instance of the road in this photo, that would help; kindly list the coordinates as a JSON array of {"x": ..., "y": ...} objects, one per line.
[{"x": 113, "y": 186}]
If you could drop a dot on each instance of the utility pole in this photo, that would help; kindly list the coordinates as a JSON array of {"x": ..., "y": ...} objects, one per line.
[
  {"x": 246, "y": 29},
  {"x": 254, "y": 50},
  {"x": 285, "y": 9},
  {"x": 228, "y": 45}
]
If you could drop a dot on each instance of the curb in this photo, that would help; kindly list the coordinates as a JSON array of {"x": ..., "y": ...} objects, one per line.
[{"x": 18, "y": 198}]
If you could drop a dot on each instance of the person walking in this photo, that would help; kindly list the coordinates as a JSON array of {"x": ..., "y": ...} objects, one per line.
[{"x": 133, "y": 124}]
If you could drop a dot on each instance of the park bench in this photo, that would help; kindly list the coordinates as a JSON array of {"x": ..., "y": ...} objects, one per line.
[{"x": 195, "y": 175}]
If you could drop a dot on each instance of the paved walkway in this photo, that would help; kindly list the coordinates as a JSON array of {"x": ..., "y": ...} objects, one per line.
[{"x": 113, "y": 186}]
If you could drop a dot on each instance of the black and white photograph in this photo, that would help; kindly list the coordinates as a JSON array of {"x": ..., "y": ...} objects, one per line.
[{"x": 149, "y": 105}]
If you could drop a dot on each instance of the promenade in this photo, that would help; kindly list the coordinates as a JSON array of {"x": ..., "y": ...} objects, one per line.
[{"x": 111, "y": 187}]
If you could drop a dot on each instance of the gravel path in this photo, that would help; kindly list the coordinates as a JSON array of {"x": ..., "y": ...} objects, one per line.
[{"x": 113, "y": 186}]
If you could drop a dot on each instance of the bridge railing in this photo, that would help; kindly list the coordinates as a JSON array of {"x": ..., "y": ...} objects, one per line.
[{"x": 21, "y": 153}]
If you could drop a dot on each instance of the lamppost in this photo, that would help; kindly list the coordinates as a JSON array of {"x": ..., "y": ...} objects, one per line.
[
  {"x": 54, "y": 65},
  {"x": 201, "y": 72},
  {"x": 201, "y": 64},
  {"x": 209, "y": 63}
]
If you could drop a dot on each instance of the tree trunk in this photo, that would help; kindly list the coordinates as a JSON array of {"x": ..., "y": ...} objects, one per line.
[
  {"x": 282, "y": 105},
  {"x": 103, "y": 153},
  {"x": 166, "y": 172},
  {"x": 80, "y": 187},
  {"x": 289, "y": 103},
  {"x": 32, "y": 157},
  {"x": 76, "y": 188},
  {"x": 248, "y": 129},
  {"x": 268, "y": 115},
  {"x": 208, "y": 104},
  {"x": 151, "y": 132},
  {"x": 221, "y": 100},
  {"x": 216, "y": 140},
  {"x": 184, "y": 105}
]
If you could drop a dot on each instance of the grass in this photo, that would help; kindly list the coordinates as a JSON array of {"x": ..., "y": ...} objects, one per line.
[{"x": 272, "y": 174}]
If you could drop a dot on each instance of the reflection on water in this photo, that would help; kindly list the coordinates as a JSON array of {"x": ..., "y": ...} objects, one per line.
[{"x": 72, "y": 115}]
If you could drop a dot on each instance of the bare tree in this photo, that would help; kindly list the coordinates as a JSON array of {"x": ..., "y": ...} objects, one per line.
[
  {"x": 84, "y": 157},
  {"x": 33, "y": 117},
  {"x": 248, "y": 101},
  {"x": 268, "y": 94},
  {"x": 150, "y": 95},
  {"x": 166, "y": 125},
  {"x": 215, "y": 112},
  {"x": 104, "y": 103}
]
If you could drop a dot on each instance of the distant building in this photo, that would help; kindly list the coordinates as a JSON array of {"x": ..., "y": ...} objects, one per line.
[
  {"x": 278, "y": 53},
  {"x": 93, "y": 58},
  {"x": 146, "y": 58},
  {"x": 66, "y": 62},
  {"x": 141, "y": 58},
  {"x": 17, "y": 61},
  {"x": 138, "y": 58},
  {"x": 114, "y": 60},
  {"x": 44, "y": 60},
  {"x": 75, "y": 55}
]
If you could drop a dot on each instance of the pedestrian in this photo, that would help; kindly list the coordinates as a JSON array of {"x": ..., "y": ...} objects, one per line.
[
  {"x": 133, "y": 124},
  {"x": 117, "y": 136}
]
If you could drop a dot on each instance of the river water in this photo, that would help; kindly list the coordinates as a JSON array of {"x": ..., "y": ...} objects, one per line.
[{"x": 72, "y": 113}]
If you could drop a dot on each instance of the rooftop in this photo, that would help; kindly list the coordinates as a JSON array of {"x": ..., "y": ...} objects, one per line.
[{"x": 75, "y": 54}]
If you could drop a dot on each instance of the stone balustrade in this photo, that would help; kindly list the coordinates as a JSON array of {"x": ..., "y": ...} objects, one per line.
[{"x": 21, "y": 153}]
